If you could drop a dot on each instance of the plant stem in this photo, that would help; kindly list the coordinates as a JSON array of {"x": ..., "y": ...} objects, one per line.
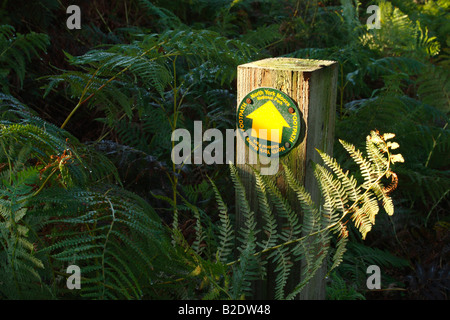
[{"x": 45, "y": 182}]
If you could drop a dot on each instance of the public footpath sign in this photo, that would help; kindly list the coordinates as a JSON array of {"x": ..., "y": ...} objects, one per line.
[{"x": 269, "y": 121}]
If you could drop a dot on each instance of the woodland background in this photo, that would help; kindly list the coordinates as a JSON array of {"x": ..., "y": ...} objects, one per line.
[{"x": 393, "y": 79}]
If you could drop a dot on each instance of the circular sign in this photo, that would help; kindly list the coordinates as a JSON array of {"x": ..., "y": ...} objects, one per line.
[{"x": 269, "y": 121}]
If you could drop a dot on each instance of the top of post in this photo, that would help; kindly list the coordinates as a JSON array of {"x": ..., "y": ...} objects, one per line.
[{"x": 292, "y": 64}]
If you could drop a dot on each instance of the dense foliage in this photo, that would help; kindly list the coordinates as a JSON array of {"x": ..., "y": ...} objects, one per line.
[{"x": 86, "y": 176}]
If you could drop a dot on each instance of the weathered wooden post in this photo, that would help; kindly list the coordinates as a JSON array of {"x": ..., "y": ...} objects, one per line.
[{"x": 311, "y": 85}]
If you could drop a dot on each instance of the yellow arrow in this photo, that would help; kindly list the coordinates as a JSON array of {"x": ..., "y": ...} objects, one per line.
[{"x": 268, "y": 117}]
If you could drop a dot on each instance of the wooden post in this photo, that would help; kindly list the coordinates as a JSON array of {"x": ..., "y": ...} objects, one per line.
[{"x": 311, "y": 84}]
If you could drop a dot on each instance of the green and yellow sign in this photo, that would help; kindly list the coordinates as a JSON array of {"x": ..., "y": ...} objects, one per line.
[{"x": 269, "y": 121}]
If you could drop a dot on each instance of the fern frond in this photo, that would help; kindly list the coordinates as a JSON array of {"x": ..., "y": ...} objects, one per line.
[
  {"x": 370, "y": 255},
  {"x": 248, "y": 230},
  {"x": 383, "y": 196},
  {"x": 311, "y": 216},
  {"x": 391, "y": 65},
  {"x": 434, "y": 87},
  {"x": 246, "y": 270},
  {"x": 270, "y": 226},
  {"x": 349, "y": 183},
  {"x": 364, "y": 165},
  {"x": 122, "y": 225},
  {"x": 338, "y": 256},
  {"x": 199, "y": 235},
  {"x": 399, "y": 35},
  {"x": 307, "y": 274},
  {"x": 20, "y": 266},
  {"x": 332, "y": 189},
  {"x": 361, "y": 220},
  {"x": 344, "y": 199},
  {"x": 226, "y": 234},
  {"x": 291, "y": 228},
  {"x": 283, "y": 268},
  {"x": 16, "y": 50}
]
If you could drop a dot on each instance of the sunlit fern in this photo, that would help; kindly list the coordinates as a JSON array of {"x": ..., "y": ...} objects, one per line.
[
  {"x": 345, "y": 199},
  {"x": 399, "y": 34}
]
